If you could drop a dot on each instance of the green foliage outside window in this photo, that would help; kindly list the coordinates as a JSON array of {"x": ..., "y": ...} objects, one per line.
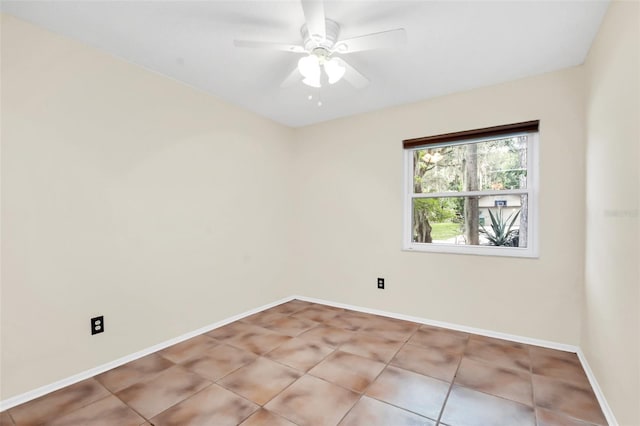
[{"x": 484, "y": 166}]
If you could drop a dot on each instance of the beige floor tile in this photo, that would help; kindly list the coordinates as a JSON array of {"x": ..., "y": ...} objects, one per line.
[
  {"x": 232, "y": 330},
  {"x": 503, "y": 382},
  {"x": 133, "y": 372},
  {"x": 152, "y": 397},
  {"x": 371, "y": 412},
  {"x": 413, "y": 392},
  {"x": 261, "y": 380},
  {"x": 391, "y": 328},
  {"x": 219, "y": 361},
  {"x": 58, "y": 403},
  {"x": 347, "y": 370},
  {"x": 264, "y": 317},
  {"x": 317, "y": 313},
  {"x": 258, "y": 341},
  {"x": 290, "y": 326},
  {"x": 313, "y": 402},
  {"x": 5, "y": 419},
  {"x": 350, "y": 320},
  {"x": 440, "y": 339},
  {"x": 328, "y": 336},
  {"x": 370, "y": 346},
  {"x": 571, "y": 398},
  {"x": 552, "y": 418},
  {"x": 188, "y": 349},
  {"x": 264, "y": 417},
  {"x": 105, "y": 412},
  {"x": 468, "y": 407},
  {"x": 211, "y": 406},
  {"x": 557, "y": 364},
  {"x": 499, "y": 352},
  {"x": 428, "y": 361},
  {"x": 291, "y": 307},
  {"x": 299, "y": 354}
]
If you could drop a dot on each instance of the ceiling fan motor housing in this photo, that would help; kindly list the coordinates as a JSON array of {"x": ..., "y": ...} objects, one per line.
[{"x": 313, "y": 41}]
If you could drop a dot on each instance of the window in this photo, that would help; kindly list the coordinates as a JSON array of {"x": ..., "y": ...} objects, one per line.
[{"x": 473, "y": 192}]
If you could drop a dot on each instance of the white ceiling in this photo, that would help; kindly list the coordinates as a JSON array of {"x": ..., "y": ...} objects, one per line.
[{"x": 452, "y": 46}]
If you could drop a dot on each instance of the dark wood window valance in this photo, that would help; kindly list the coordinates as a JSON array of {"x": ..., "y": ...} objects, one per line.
[{"x": 527, "y": 126}]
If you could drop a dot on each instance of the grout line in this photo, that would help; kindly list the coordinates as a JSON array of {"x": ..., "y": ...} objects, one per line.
[
  {"x": 84, "y": 406},
  {"x": 235, "y": 369},
  {"x": 493, "y": 365},
  {"x": 350, "y": 409},
  {"x": 294, "y": 368},
  {"x": 304, "y": 373},
  {"x": 453, "y": 379},
  {"x": 181, "y": 401},
  {"x": 279, "y": 415},
  {"x": 124, "y": 402},
  {"x": 506, "y": 399},
  {"x": 531, "y": 374},
  {"x": 238, "y": 395},
  {"x": 386, "y": 365},
  {"x": 337, "y": 348},
  {"x": 289, "y": 315},
  {"x": 533, "y": 391},
  {"x": 402, "y": 408},
  {"x": 75, "y": 409}
]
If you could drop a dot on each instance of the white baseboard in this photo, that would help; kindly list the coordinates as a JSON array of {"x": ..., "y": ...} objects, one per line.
[
  {"x": 472, "y": 330},
  {"x": 36, "y": 393},
  {"x": 604, "y": 405},
  {"x": 41, "y": 391}
]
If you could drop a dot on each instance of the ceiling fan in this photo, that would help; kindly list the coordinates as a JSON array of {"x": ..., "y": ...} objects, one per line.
[{"x": 323, "y": 48}]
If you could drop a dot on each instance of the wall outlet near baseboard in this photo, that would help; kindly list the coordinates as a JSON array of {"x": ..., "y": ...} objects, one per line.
[
  {"x": 381, "y": 283},
  {"x": 97, "y": 325}
]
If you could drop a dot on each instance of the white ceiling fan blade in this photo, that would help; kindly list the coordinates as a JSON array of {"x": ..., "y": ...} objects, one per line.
[
  {"x": 314, "y": 16},
  {"x": 354, "y": 76},
  {"x": 381, "y": 40},
  {"x": 269, "y": 45},
  {"x": 293, "y": 78}
]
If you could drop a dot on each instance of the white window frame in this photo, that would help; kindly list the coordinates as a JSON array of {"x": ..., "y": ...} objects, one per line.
[{"x": 531, "y": 251}]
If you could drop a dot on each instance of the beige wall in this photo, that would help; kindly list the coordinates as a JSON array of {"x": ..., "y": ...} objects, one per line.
[
  {"x": 611, "y": 330},
  {"x": 129, "y": 195},
  {"x": 349, "y": 210}
]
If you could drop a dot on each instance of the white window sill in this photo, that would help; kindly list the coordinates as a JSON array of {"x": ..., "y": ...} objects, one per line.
[{"x": 472, "y": 250}]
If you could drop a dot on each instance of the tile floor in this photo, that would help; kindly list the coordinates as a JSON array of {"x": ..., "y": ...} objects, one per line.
[{"x": 303, "y": 364}]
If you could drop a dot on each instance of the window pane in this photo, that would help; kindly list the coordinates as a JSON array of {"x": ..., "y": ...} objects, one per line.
[
  {"x": 487, "y": 220},
  {"x": 490, "y": 165}
]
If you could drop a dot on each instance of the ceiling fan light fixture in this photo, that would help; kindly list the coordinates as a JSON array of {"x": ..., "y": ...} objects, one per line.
[
  {"x": 334, "y": 70},
  {"x": 309, "y": 66},
  {"x": 313, "y": 81}
]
